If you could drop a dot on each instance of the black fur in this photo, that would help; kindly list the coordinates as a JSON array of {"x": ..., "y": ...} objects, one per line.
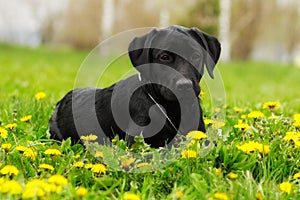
[{"x": 89, "y": 110}]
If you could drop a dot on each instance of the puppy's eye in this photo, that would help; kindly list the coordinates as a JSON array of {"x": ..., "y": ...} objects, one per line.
[{"x": 164, "y": 57}]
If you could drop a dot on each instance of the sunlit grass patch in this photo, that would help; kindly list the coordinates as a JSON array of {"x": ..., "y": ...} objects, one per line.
[{"x": 265, "y": 149}]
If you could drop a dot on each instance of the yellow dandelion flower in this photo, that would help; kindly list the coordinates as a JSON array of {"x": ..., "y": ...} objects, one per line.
[
  {"x": 214, "y": 123},
  {"x": 30, "y": 153},
  {"x": 263, "y": 149},
  {"x": 11, "y": 126},
  {"x": 6, "y": 146},
  {"x": 179, "y": 194},
  {"x": 189, "y": 154},
  {"x": 131, "y": 196},
  {"x": 297, "y": 144},
  {"x": 113, "y": 140},
  {"x": 248, "y": 147},
  {"x": 99, "y": 154},
  {"x": 58, "y": 179},
  {"x": 26, "y": 118},
  {"x": 218, "y": 124},
  {"x": 286, "y": 187},
  {"x": 297, "y": 124},
  {"x": 76, "y": 156},
  {"x": 99, "y": 168},
  {"x": 78, "y": 164},
  {"x": 238, "y": 110},
  {"x": 3, "y": 132},
  {"x": 196, "y": 135},
  {"x": 297, "y": 175},
  {"x": 242, "y": 126},
  {"x": 21, "y": 148},
  {"x": 259, "y": 196},
  {"x": 52, "y": 187},
  {"x": 31, "y": 192},
  {"x": 221, "y": 196},
  {"x": 88, "y": 138},
  {"x": 53, "y": 152},
  {"x": 291, "y": 136},
  {"x": 12, "y": 187},
  {"x": 81, "y": 191},
  {"x": 218, "y": 171},
  {"x": 297, "y": 117},
  {"x": 207, "y": 121},
  {"x": 40, "y": 95},
  {"x": 46, "y": 166},
  {"x": 88, "y": 166},
  {"x": 34, "y": 188},
  {"x": 202, "y": 93},
  {"x": 255, "y": 114},
  {"x": 240, "y": 121},
  {"x": 232, "y": 175},
  {"x": 251, "y": 147},
  {"x": 191, "y": 143},
  {"x": 127, "y": 162},
  {"x": 243, "y": 116},
  {"x": 10, "y": 170},
  {"x": 271, "y": 104}
]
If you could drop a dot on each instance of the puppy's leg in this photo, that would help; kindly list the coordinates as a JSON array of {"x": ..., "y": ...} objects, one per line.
[{"x": 53, "y": 127}]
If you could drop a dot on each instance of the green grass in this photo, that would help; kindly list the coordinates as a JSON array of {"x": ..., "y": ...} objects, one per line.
[{"x": 25, "y": 71}]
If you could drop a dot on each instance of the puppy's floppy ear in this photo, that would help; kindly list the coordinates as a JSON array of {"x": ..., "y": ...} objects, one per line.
[
  {"x": 212, "y": 47},
  {"x": 139, "y": 49}
]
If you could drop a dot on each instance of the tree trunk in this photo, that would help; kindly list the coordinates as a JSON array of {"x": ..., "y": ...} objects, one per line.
[
  {"x": 224, "y": 30},
  {"x": 107, "y": 18}
]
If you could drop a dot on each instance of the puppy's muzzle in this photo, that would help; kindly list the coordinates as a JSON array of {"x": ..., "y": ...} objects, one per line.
[{"x": 184, "y": 84}]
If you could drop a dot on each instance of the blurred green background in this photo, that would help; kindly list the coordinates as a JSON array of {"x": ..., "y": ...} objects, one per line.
[{"x": 26, "y": 71}]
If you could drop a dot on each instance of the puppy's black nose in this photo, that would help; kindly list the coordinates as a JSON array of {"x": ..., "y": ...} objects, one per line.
[{"x": 184, "y": 84}]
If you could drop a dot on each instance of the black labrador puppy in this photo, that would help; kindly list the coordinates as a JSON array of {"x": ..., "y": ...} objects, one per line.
[{"x": 158, "y": 103}]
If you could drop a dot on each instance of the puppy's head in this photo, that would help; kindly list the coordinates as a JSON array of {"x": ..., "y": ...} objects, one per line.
[{"x": 184, "y": 50}]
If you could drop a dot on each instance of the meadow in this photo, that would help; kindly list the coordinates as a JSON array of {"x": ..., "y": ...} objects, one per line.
[{"x": 256, "y": 155}]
